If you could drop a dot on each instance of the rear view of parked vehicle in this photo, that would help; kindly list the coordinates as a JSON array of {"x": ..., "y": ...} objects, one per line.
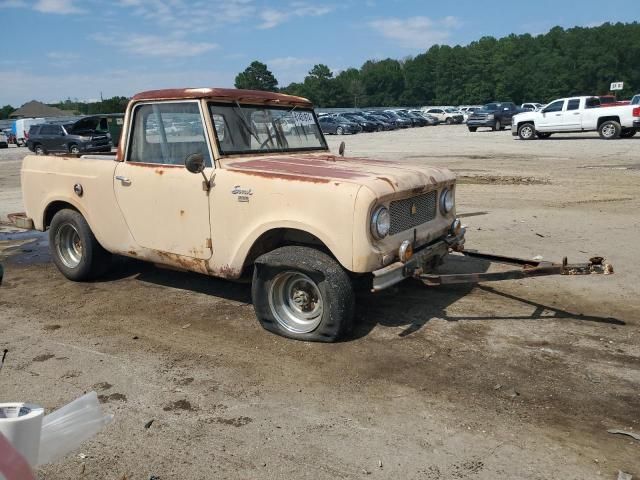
[
  {"x": 338, "y": 126},
  {"x": 4, "y": 142}
]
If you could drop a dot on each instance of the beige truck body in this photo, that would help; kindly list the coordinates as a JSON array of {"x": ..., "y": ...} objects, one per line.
[{"x": 164, "y": 214}]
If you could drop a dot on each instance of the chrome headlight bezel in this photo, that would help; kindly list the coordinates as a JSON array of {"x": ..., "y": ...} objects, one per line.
[
  {"x": 380, "y": 222},
  {"x": 447, "y": 201}
]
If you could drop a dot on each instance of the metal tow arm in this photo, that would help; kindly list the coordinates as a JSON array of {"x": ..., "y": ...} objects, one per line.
[{"x": 528, "y": 268}]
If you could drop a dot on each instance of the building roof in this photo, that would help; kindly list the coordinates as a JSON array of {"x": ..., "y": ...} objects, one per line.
[
  {"x": 35, "y": 109},
  {"x": 224, "y": 94}
]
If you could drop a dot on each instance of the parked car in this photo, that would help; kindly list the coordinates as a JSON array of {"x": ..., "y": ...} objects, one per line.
[
  {"x": 611, "y": 101},
  {"x": 4, "y": 142},
  {"x": 530, "y": 107},
  {"x": 338, "y": 125},
  {"x": 416, "y": 120},
  {"x": 81, "y": 136},
  {"x": 448, "y": 117},
  {"x": 578, "y": 114},
  {"x": 431, "y": 120},
  {"x": 11, "y": 138},
  {"x": 401, "y": 122},
  {"x": 381, "y": 122},
  {"x": 494, "y": 115},
  {"x": 367, "y": 126}
]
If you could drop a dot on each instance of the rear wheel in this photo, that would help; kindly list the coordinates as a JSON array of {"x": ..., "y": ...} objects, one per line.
[
  {"x": 302, "y": 293},
  {"x": 497, "y": 126},
  {"x": 74, "y": 248},
  {"x": 73, "y": 148},
  {"x": 339, "y": 131},
  {"x": 628, "y": 132},
  {"x": 609, "y": 130},
  {"x": 39, "y": 149}
]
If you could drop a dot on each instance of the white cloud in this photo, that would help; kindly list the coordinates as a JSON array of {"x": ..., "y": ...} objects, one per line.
[
  {"x": 272, "y": 18},
  {"x": 61, "y": 7},
  {"x": 288, "y": 62},
  {"x": 416, "y": 32},
  {"x": 155, "y": 46}
]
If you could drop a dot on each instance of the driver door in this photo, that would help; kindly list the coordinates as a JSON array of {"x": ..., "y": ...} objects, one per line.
[
  {"x": 551, "y": 118},
  {"x": 164, "y": 205}
]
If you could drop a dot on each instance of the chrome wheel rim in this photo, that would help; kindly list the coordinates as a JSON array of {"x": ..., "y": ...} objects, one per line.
[
  {"x": 75, "y": 149},
  {"x": 526, "y": 132},
  {"x": 39, "y": 150},
  {"x": 609, "y": 131},
  {"x": 339, "y": 130},
  {"x": 296, "y": 302},
  {"x": 69, "y": 245}
]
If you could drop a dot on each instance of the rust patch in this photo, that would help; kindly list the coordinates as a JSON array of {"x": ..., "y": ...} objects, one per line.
[
  {"x": 185, "y": 263},
  {"x": 154, "y": 165},
  {"x": 282, "y": 176},
  {"x": 230, "y": 94},
  {"x": 226, "y": 271}
]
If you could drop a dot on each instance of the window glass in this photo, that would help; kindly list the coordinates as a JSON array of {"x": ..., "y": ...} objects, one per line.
[
  {"x": 167, "y": 133},
  {"x": 574, "y": 104},
  {"x": 50, "y": 130},
  {"x": 592, "y": 102},
  {"x": 254, "y": 128},
  {"x": 555, "y": 106}
]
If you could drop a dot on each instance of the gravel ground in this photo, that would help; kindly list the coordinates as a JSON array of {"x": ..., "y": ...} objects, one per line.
[{"x": 514, "y": 380}]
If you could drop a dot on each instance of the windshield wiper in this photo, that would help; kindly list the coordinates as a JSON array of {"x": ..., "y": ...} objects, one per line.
[{"x": 246, "y": 123}]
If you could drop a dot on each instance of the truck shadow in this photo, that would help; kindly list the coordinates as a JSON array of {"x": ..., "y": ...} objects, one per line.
[{"x": 410, "y": 305}]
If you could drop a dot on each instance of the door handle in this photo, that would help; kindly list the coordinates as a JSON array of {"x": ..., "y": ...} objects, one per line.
[
  {"x": 577, "y": 113},
  {"x": 558, "y": 114},
  {"x": 123, "y": 179}
]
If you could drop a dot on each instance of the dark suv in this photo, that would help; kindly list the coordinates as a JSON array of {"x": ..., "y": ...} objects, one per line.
[
  {"x": 495, "y": 115},
  {"x": 85, "y": 135}
]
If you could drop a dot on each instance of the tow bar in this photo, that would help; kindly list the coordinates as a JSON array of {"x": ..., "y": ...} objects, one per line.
[{"x": 528, "y": 268}]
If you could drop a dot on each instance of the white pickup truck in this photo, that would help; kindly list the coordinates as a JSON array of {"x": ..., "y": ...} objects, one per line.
[{"x": 578, "y": 114}]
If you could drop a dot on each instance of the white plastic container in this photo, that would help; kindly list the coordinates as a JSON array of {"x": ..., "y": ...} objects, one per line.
[{"x": 21, "y": 424}]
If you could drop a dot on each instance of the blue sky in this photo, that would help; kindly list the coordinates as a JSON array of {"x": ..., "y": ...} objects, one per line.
[{"x": 55, "y": 49}]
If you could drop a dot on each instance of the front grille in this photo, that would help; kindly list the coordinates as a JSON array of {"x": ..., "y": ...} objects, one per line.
[{"x": 411, "y": 212}]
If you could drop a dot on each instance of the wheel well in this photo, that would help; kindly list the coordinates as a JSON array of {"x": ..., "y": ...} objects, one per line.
[
  {"x": 281, "y": 237},
  {"x": 601, "y": 120},
  {"x": 52, "y": 209},
  {"x": 526, "y": 121}
]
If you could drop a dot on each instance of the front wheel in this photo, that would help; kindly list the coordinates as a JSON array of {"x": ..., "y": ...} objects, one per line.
[
  {"x": 473, "y": 129},
  {"x": 526, "y": 131},
  {"x": 74, "y": 248},
  {"x": 609, "y": 130},
  {"x": 302, "y": 293},
  {"x": 497, "y": 126},
  {"x": 74, "y": 149},
  {"x": 39, "y": 149},
  {"x": 449, "y": 121},
  {"x": 339, "y": 131}
]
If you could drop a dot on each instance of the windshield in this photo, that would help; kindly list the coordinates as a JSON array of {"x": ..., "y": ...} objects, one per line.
[
  {"x": 635, "y": 100},
  {"x": 262, "y": 129},
  {"x": 491, "y": 107}
]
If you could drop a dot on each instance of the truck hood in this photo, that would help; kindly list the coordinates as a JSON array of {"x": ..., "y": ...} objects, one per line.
[
  {"x": 526, "y": 117},
  {"x": 382, "y": 176}
]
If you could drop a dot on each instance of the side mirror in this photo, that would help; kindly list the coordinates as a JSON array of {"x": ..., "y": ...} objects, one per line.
[
  {"x": 341, "y": 149},
  {"x": 194, "y": 163}
]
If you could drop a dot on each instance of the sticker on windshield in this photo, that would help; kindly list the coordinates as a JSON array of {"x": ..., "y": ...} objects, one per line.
[{"x": 303, "y": 118}]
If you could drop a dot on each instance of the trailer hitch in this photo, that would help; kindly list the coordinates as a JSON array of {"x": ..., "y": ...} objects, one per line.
[{"x": 528, "y": 268}]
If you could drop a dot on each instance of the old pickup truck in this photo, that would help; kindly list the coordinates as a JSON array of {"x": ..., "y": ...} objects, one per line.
[
  {"x": 577, "y": 114},
  {"x": 240, "y": 184}
]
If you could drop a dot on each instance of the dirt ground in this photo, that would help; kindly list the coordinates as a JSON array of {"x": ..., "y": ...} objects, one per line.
[{"x": 509, "y": 380}]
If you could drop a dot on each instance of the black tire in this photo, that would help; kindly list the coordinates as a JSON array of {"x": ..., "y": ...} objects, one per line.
[
  {"x": 609, "y": 130},
  {"x": 319, "y": 277},
  {"x": 339, "y": 131},
  {"x": 73, "y": 148},
  {"x": 497, "y": 126},
  {"x": 628, "y": 132},
  {"x": 74, "y": 248},
  {"x": 449, "y": 121},
  {"x": 527, "y": 131},
  {"x": 38, "y": 149},
  {"x": 473, "y": 129},
  {"x": 543, "y": 135}
]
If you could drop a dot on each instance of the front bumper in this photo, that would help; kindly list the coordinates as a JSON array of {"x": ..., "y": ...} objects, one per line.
[
  {"x": 95, "y": 148},
  {"x": 485, "y": 122},
  {"x": 421, "y": 261}
]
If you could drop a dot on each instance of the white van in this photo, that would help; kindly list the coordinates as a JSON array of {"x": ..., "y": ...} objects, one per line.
[{"x": 20, "y": 129}]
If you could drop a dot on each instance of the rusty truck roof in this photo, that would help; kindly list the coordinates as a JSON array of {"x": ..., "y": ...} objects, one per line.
[{"x": 224, "y": 94}]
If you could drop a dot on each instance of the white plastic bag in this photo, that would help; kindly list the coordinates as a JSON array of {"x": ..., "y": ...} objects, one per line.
[{"x": 68, "y": 427}]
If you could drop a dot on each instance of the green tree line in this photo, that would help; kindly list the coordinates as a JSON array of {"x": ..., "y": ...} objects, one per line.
[{"x": 520, "y": 68}]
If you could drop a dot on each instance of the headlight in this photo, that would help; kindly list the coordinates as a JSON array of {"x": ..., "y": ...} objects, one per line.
[
  {"x": 446, "y": 201},
  {"x": 491, "y": 116},
  {"x": 380, "y": 223}
]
